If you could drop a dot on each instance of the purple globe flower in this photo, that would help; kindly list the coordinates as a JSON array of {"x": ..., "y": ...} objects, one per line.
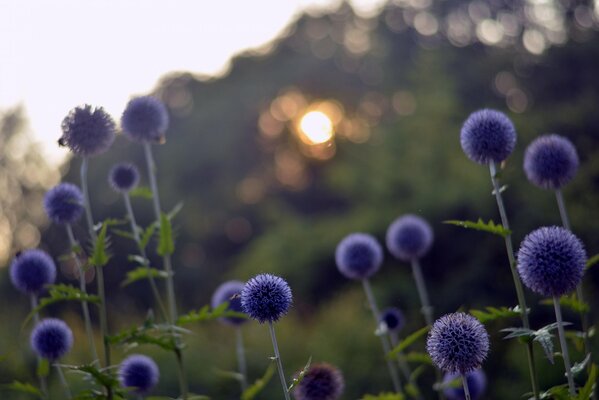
[
  {"x": 64, "y": 203},
  {"x": 477, "y": 383},
  {"x": 51, "y": 339},
  {"x": 145, "y": 119},
  {"x": 551, "y": 261},
  {"x": 488, "y": 135},
  {"x": 31, "y": 270},
  {"x": 138, "y": 372},
  {"x": 123, "y": 177},
  {"x": 229, "y": 291},
  {"x": 457, "y": 343},
  {"x": 266, "y": 297},
  {"x": 358, "y": 256},
  {"x": 550, "y": 161},
  {"x": 393, "y": 318},
  {"x": 409, "y": 237},
  {"x": 87, "y": 131},
  {"x": 321, "y": 382}
]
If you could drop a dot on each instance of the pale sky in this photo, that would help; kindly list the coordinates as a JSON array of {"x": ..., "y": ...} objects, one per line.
[{"x": 55, "y": 55}]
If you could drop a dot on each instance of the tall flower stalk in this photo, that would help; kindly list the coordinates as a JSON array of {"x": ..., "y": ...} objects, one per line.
[{"x": 36, "y": 320}]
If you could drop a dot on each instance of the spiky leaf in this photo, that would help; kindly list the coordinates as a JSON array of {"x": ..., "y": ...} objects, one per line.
[
  {"x": 206, "y": 314},
  {"x": 569, "y": 301},
  {"x": 296, "y": 380},
  {"x": 408, "y": 341},
  {"x": 146, "y": 236},
  {"x": 141, "y": 273},
  {"x": 100, "y": 255},
  {"x": 480, "y": 225},
  {"x": 251, "y": 392},
  {"x": 166, "y": 243},
  {"x": 494, "y": 313},
  {"x": 61, "y": 292},
  {"x": 141, "y": 191},
  {"x": 418, "y": 358},
  {"x": 23, "y": 388},
  {"x": 586, "y": 392}
]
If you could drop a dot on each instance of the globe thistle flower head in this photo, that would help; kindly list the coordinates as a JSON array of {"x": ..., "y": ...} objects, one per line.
[
  {"x": 358, "y": 256},
  {"x": 550, "y": 161},
  {"x": 488, "y": 135},
  {"x": 51, "y": 339},
  {"x": 31, "y": 270},
  {"x": 457, "y": 343},
  {"x": 64, "y": 203},
  {"x": 145, "y": 119},
  {"x": 266, "y": 297},
  {"x": 409, "y": 237},
  {"x": 551, "y": 261},
  {"x": 477, "y": 383},
  {"x": 87, "y": 131},
  {"x": 321, "y": 382},
  {"x": 229, "y": 291},
  {"x": 393, "y": 319},
  {"x": 138, "y": 372},
  {"x": 123, "y": 177}
]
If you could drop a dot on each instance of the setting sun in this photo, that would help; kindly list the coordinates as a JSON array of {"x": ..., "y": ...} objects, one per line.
[{"x": 316, "y": 128}]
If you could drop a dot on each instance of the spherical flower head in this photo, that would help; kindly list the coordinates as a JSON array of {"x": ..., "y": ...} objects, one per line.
[
  {"x": 457, "y": 343},
  {"x": 488, "y": 135},
  {"x": 477, "y": 383},
  {"x": 138, "y": 372},
  {"x": 229, "y": 291},
  {"x": 31, "y": 270},
  {"x": 51, "y": 339},
  {"x": 409, "y": 237},
  {"x": 266, "y": 297},
  {"x": 321, "y": 382},
  {"x": 551, "y": 261},
  {"x": 358, "y": 256},
  {"x": 550, "y": 162},
  {"x": 123, "y": 177},
  {"x": 87, "y": 131},
  {"x": 393, "y": 319},
  {"x": 64, "y": 203},
  {"x": 145, "y": 119}
]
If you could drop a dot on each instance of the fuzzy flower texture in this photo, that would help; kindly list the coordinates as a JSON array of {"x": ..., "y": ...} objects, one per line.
[
  {"x": 31, "y": 270},
  {"x": 358, "y": 256},
  {"x": 64, "y": 203},
  {"x": 145, "y": 119},
  {"x": 477, "y": 383},
  {"x": 550, "y": 162},
  {"x": 321, "y": 382},
  {"x": 457, "y": 343},
  {"x": 266, "y": 298},
  {"x": 409, "y": 237},
  {"x": 488, "y": 135},
  {"x": 138, "y": 372},
  {"x": 123, "y": 177},
  {"x": 230, "y": 292},
  {"x": 51, "y": 339},
  {"x": 551, "y": 261},
  {"x": 87, "y": 131}
]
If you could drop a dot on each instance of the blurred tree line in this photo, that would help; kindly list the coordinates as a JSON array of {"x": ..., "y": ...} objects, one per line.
[{"x": 259, "y": 197}]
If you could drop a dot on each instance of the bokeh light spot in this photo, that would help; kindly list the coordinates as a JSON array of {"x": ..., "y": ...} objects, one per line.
[{"x": 316, "y": 128}]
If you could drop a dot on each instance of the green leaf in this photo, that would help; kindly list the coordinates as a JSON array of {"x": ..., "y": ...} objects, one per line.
[
  {"x": 480, "y": 225},
  {"x": 251, "y": 392},
  {"x": 383, "y": 396},
  {"x": 494, "y": 313},
  {"x": 408, "y": 341},
  {"x": 166, "y": 244},
  {"x": 296, "y": 380},
  {"x": 141, "y": 191},
  {"x": 205, "y": 314},
  {"x": 587, "y": 390},
  {"x": 418, "y": 358},
  {"x": 147, "y": 235},
  {"x": 148, "y": 333},
  {"x": 61, "y": 292},
  {"x": 173, "y": 213},
  {"x": 569, "y": 301},
  {"x": 559, "y": 392},
  {"x": 23, "y": 388},
  {"x": 578, "y": 367},
  {"x": 592, "y": 261},
  {"x": 43, "y": 368},
  {"x": 543, "y": 336},
  {"x": 140, "y": 273},
  {"x": 100, "y": 256},
  {"x": 101, "y": 376},
  {"x": 123, "y": 233}
]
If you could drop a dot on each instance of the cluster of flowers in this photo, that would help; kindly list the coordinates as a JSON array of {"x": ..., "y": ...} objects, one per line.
[{"x": 550, "y": 262}]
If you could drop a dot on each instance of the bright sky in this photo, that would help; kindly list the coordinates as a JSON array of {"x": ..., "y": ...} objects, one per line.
[{"x": 57, "y": 54}]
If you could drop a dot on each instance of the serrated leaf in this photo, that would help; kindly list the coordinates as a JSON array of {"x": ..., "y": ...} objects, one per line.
[
  {"x": 140, "y": 273},
  {"x": 592, "y": 261},
  {"x": 545, "y": 340},
  {"x": 543, "y": 336},
  {"x": 206, "y": 314},
  {"x": 123, "y": 233},
  {"x": 147, "y": 333},
  {"x": 383, "y": 396},
  {"x": 23, "y": 388},
  {"x": 570, "y": 302},
  {"x": 559, "y": 392},
  {"x": 166, "y": 244},
  {"x": 578, "y": 367},
  {"x": 141, "y": 191},
  {"x": 100, "y": 255},
  {"x": 146, "y": 236},
  {"x": 407, "y": 342},
  {"x": 251, "y": 392},
  {"x": 494, "y": 313},
  {"x": 43, "y": 368},
  {"x": 61, "y": 292},
  {"x": 480, "y": 225},
  {"x": 100, "y": 376},
  {"x": 296, "y": 380},
  {"x": 586, "y": 392}
]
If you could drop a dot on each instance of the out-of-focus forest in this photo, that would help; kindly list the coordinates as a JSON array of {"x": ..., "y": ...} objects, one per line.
[{"x": 259, "y": 197}]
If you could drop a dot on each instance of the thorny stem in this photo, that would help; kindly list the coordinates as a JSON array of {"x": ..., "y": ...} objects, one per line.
[
  {"x": 564, "y": 345},
  {"x": 466, "y": 388},
  {"x": 241, "y": 358},
  {"x": 36, "y": 319},
  {"x": 278, "y": 359},
  {"x": 384, "y": 339},
  {"x": 517, "y": 282}
]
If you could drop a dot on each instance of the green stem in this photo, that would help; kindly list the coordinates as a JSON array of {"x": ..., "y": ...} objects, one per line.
[
  {"x": 36, "y": 320},
  {"x": 516, "y": 278},
  {"x": 278, "y": 359},
  {"x": 181, "y": 373},
  {"x": 384, "y": 339},
  {"x": 63, "y": 382},
  {"x": 466, "y": 388},
  {"x": 142, "y": 250},
  {"x": 241, "y": 358},
  {"x": 564, "y": 345},
  {"x": 84, "y": 305},
  {"x": 426, "y": 309}
]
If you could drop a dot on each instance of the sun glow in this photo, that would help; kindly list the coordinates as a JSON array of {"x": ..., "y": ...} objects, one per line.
[{"x": 316, "y": 127}]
